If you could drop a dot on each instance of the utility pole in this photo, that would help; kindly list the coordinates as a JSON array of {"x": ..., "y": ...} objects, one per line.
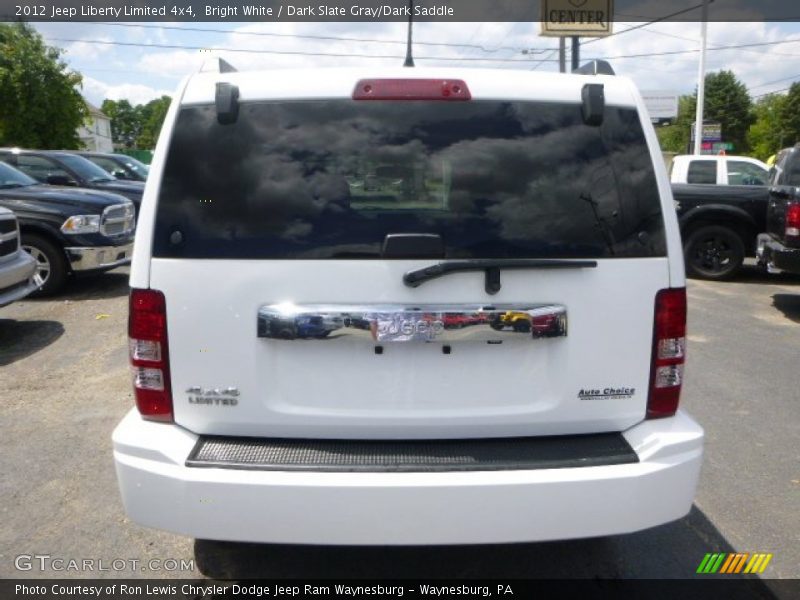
[
  {"x": 701, "y": 82},
  {"x": 562, "y": 54},
  {"x": 409, "y": 51}
]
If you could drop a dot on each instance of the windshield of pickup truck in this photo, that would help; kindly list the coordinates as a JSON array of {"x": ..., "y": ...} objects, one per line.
[
  {"x": 135, "y": 165},
  {"x": 11, "y": 178},
  {"x": 331, "y": 179},
  {"x": 86, "y": 168}
]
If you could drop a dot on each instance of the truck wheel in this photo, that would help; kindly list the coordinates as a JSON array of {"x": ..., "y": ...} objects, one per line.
[
  {"x": 51, "y": 264},
  {"x": 522, "y": 326},
  {"x": 713, "y": 252}
]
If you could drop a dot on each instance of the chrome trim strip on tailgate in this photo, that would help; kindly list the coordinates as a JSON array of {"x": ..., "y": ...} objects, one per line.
[{"x": 390, "y": 323}]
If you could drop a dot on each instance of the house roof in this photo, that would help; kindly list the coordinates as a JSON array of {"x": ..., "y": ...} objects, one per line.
[{"x": 94, "y": 111}]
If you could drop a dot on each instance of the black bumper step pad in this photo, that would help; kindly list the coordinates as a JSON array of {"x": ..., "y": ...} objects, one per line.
[{"x": 383, "y": 456}]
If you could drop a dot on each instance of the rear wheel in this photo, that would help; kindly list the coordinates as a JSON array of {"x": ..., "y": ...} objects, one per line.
[
  {"x": 522, "y": 326},
  {"x": 713, "y": 252},
  {"x": 51, "y": 265}
]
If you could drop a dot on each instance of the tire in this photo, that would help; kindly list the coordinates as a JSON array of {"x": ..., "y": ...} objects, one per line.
[
  {"x": 522, "y": 326},
  {"x": 713, "y": 252},
  {"x": 51, "y": 264}
]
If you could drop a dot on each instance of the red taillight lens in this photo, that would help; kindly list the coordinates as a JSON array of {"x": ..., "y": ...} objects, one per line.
[
  {"x": 412, "y": 89},
  {"x": 149, "y": 354},
  {"x": 669, "y": 353},
  {"x": 793, "y": 221}
]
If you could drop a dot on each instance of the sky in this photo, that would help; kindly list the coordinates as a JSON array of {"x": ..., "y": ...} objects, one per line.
[{"x": 142, "y": 61}]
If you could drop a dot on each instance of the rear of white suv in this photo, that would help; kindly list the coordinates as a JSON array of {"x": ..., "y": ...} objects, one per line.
[{"x": 407, "y": 307}]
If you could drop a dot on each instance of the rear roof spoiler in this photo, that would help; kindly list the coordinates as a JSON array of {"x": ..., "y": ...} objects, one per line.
[
  {"x": 217, "y": 65},
  {"x": 595, "y": 67}
]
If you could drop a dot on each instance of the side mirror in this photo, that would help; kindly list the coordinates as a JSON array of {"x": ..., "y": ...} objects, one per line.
[{"x": 60, "y": 180}]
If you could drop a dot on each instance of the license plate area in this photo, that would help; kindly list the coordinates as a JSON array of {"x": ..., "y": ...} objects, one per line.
[{"x": 396, "y": 323}]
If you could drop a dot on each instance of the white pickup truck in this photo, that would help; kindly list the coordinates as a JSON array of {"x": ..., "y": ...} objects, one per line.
[{"x": 718, "y": 170}]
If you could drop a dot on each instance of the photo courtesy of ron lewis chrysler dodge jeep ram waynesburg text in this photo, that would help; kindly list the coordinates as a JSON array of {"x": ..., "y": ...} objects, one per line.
[{"x": 407, "y": 306}]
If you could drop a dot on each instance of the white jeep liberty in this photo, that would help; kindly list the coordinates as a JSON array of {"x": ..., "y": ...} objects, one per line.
[{"x": 411, "y": 306}]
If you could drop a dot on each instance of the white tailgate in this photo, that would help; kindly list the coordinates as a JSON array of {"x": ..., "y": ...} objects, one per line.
[{"x": 343, "y": 389}]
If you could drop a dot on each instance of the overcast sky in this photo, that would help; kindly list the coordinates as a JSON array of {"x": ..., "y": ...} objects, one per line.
[{"x": 144, "y": 70}]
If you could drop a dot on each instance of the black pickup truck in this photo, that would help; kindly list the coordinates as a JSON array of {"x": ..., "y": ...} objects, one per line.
[
  {"x": 779, "y": 245},
  {"x": 719, "y": 225},
  {"x": 63, "y": 168},
  {"x": 67, "y": 230}
]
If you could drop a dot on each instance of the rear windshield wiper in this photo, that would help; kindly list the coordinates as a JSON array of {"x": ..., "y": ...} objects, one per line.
[{"x": 492, "y": 267}]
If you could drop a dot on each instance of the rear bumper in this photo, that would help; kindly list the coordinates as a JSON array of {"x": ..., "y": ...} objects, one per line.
[
  {"x": 99, "y": 258},
  {"x": 16, "y": 277},
  {"x": 777, "y": 257},
  {"x": 475, "y": 507}
]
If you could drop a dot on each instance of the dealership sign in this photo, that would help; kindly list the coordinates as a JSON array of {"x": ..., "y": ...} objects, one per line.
[
  {"x": 585, "y": 18},
  {"x": 712, "y": 132},
  {"x": 661, "y": 105}
]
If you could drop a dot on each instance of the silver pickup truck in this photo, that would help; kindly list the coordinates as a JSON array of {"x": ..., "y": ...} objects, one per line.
[{"x": 17, "y": 267}]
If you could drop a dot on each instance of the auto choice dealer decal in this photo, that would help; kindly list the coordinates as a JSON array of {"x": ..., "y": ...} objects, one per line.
[{"x": 608, "y": 393}]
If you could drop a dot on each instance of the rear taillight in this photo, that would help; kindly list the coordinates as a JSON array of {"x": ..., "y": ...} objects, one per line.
[
  {"x": 412, "y": 89},
  {"x": 147, "y": 339},
  {"x": 793, "y": 221},
  {"x": 669, "y": 353}
]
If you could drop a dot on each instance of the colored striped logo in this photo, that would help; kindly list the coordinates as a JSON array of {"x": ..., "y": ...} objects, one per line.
[{"x": 739, "y": 562}]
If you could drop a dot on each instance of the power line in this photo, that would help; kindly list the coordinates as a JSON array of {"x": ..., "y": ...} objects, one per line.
[
  {"x": 539, "y": 63},
  {"x": 329, "y": 38},
  {"x": 393, "y": 56},
  {"x": 770, "y": 93},
  {"x": 282, "y": 52},
  {"x": 792, "y": 77},
  {"x": 635, "y": 27}
]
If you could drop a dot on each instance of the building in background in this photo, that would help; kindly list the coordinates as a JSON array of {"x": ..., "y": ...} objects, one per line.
[{"x": 95, "y": 133}]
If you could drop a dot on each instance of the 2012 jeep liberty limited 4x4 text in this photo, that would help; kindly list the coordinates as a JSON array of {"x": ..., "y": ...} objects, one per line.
[{"x": 411, "y": 306}]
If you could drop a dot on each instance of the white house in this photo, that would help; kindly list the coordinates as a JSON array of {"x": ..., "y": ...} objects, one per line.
[{"x": 95, "y": 133}]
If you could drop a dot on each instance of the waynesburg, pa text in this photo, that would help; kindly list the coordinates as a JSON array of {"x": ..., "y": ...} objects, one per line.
[{"x": 255, "y": 590}]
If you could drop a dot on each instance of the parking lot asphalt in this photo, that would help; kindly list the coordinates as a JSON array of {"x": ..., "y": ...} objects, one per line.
[{"x": 64, "y": 385}]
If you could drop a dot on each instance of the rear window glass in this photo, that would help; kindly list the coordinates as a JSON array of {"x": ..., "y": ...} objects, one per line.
[
  {"x": 791, "y": 168},
  {"x": 331, "y": 179},
  {"x": 702, "y": 171},
  {"x": 744, "y": 173}
]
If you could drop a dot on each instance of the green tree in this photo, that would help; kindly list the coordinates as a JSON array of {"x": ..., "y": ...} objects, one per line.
[
  {"x": 727, "y": 102},
  {"x": 766, "y": 136},
  {"x": 153, "y": 115},
  {"x": 789, "y": 117},
  {"x": 675, "y": 137},
  {"x": 136, "y": 126},
  {"x": 40, "y": 105},
  {"x": 126, "y": 121}
]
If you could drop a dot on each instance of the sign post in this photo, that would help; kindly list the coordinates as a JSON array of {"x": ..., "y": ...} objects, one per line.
[{"x": 575, "y": 19}]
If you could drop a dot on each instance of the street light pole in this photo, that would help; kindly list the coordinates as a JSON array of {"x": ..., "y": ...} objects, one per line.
[{"x": 701, "y": 82}]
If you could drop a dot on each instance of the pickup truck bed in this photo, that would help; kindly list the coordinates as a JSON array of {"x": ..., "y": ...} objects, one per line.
[{"x": 779, "y": 245}]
